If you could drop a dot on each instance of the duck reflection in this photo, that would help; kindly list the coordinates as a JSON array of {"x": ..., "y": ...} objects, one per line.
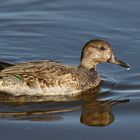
[
  {"x": 97, "y": 113},
  {"x": 93, "y": 112}
]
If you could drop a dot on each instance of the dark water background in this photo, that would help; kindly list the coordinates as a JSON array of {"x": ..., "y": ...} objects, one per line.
[{"x": 50, "y": 29}]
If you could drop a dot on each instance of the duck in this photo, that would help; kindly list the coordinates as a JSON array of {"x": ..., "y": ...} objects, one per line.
[{"x": 51, "y": 78}]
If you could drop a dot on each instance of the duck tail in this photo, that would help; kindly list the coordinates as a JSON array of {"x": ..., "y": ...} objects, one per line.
[{"x": 4, "y": 65}]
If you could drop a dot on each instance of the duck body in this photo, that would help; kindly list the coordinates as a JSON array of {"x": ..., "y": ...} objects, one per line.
[
  {"x": 47, "y": 78},
  {"x": 52, "y": 78}
]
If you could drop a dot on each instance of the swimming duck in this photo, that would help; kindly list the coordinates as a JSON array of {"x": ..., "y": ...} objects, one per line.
[{"x": 53, "y": 78}]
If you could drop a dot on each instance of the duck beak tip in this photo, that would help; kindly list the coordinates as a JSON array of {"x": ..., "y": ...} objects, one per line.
[{"x": 121, "y": 63}]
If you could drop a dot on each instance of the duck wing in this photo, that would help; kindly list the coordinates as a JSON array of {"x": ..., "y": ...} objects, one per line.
[
  {"x": 48, "y": 73},
  {"x": 44, "y": 77},
  {"x": 37, "y": 68}
]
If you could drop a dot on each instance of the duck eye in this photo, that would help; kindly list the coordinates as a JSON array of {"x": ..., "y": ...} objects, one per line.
[{"x": 102, "y": 48}]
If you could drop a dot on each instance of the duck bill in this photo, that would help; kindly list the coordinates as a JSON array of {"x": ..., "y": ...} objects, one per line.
[{"x": 119, "y": 62}]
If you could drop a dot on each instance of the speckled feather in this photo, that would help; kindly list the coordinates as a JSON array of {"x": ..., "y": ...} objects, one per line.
[{"x": 46, "y": 78}]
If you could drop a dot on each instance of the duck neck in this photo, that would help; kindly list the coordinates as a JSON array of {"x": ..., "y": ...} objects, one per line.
[{"x": 90, "y": 65}]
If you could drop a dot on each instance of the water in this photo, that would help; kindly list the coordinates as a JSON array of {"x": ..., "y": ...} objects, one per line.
[{"x": 40, "y": 29}]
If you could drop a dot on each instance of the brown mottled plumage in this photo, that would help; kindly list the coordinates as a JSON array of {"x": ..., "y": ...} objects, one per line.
[{"x": 54, "y": 78}]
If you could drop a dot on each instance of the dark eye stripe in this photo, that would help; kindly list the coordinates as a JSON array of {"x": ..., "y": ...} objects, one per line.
[{"x": 102, "y": 48}]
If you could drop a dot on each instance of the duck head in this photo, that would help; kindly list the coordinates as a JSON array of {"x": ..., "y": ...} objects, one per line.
[{"x": 98, "y": 51}]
